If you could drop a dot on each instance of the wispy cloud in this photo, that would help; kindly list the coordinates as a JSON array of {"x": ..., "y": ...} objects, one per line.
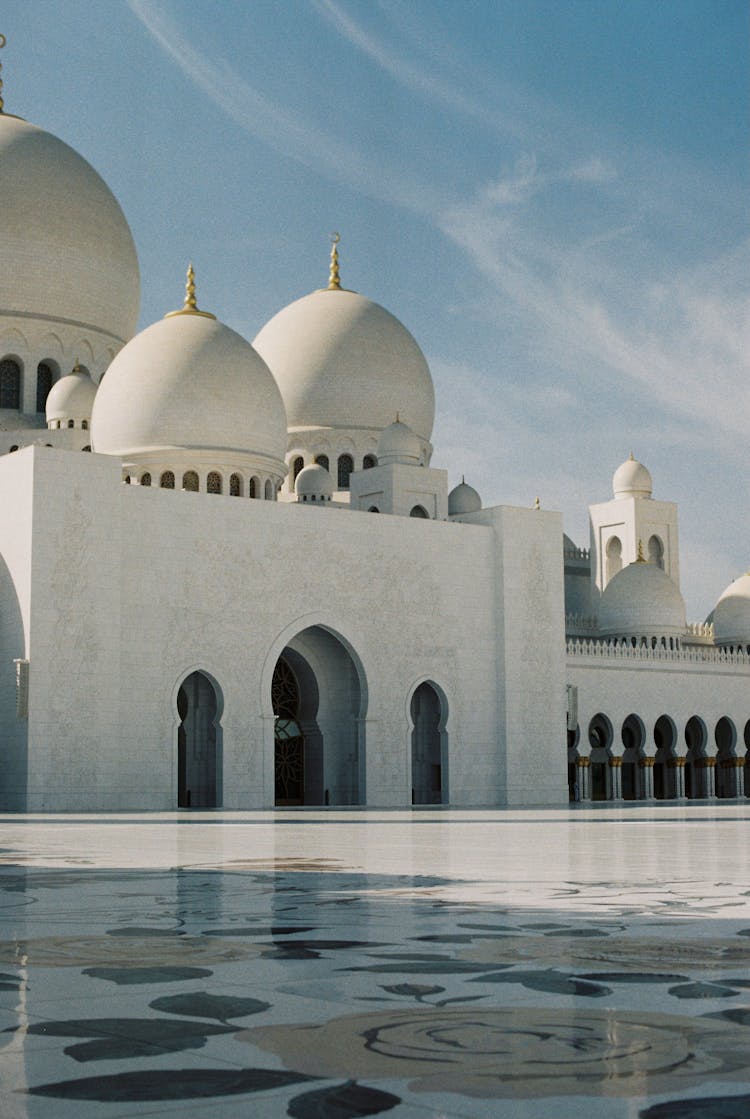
[{"x": 287, "y": 133}]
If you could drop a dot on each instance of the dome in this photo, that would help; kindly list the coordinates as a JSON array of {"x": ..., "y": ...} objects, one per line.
[
  {"x": 189, "y": 382},
  {"x": 314, "y": 483},
  {"x": 71, "y": 398},
  {"x": 641, "y": 600},
  {"x": 399, "y": 444},
  {"x": 66, "y": 247},
  {"x": 731, "y": 615},
  {"x": 342, "y": 361},
  {"x": 632, "y": 479},
  {"x": 463, "y": 499}
]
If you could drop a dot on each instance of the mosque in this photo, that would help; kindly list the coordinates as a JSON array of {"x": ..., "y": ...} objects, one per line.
[{"x": 231, "y": 577}]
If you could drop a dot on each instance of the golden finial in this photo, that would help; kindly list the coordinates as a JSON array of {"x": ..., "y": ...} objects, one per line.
[
  {"x": 632, "y": 457},
  {"x": 3, "y": 41},
  {"x": 537, "y": 503},
  {"x": 641, "y": 558},
  {"x": 334, "y": 279},
  {"x": 77, "y": 367},
  {"x": 191, "y": 305},
  {"x": 398, "y": 417}
]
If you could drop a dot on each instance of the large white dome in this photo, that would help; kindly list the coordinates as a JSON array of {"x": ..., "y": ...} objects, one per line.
[
  {"x": 189, "y": 382},
  {"x": 66, "y": 248},
  {"x": 731, "y": 616},
  {"x": 342, "y": 361},
  {"x": 641, "y": 600}
]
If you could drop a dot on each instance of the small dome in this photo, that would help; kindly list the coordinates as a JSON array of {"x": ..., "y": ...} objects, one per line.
[
  {"x": 71, "y": 398},
  {"x": 731, "y": 615},
  {"x": 632, "y": 479},
  {"x": 314, "y": 483},
  {"x": 66, "y": 247},
  {"x": 189, "y": 382},
  {"x": 641, "y": 600},
  {"x": 343, "y": 361},
  {"x": 463, "y": 499},
  {"x": 399, "y": 444}
]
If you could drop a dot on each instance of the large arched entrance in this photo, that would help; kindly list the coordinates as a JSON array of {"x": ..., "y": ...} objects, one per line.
[
  {"x": 198, "y": 744},
  {"x": 428, "y": 746},
  {"x": 319, "y": 701}
]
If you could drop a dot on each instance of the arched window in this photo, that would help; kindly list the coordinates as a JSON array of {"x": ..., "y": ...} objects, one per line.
[
  {"x": 86, "y": 448},
  {"x": 43, "y": 384},
  {"x": 369, "y": 461},
  {"x": 167, "y": 480},
  {"x": 84, "y": 425},
  {"x": 71, "y": 423},
  {"x": 346, "y": 465},
  {"x": 127, "y": 479},
  {"x": 614, "y": 556},
  {"x": 235, "y": 486},
  {"x": 253, "y": 487},
  {"x": 146, "y": 479},
  {"x": 420, "y": 511},
  {"x": 213, "y": 482},
  {"x": 656, "y": 552},
  {"x": 373, "y": 509},
  {"x": 269, "y": 490},
  {"x": 190, "y": 481},
  {"x": 13, "y": 448},
  {"x": 297, "y": 465},
  {"x": 322, "y": 460},
  {"x": 10, "y": 383}
]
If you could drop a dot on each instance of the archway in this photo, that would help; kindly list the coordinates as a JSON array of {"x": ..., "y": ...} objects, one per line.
[
  {"x": 429, "y": 746},
  {"x": 696, "y": 738},
  {"x": 600, "y": 740},
  {"x": 633, "y": 739},
  {"x": 726, "y": 777},
  {"x": 665, "y": 739},
  {"x": 319, "y": 700},
  {"x": 198, "y": 743}
]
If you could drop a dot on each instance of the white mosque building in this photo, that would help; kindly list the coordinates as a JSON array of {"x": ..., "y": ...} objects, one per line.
[{"x": 255, "y": 590}]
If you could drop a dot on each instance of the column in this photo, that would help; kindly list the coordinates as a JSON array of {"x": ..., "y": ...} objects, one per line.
[
  {"x": 678, "y": 765},
  {"x": 582, "y": 775},
  {"x": 647, "y": 777},
  {"x": 615, "y": 767},
  {"x": 709, "y": 777},
  {"x": 736, "y": 774}
]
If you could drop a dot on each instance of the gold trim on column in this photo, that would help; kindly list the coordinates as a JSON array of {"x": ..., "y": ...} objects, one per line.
[
  {"x": 646, "y": 763},
  {"x": 615, "y": 761}
]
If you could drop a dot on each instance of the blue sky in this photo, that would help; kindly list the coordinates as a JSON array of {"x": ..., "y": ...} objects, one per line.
[{"x": 550, "y": 194}]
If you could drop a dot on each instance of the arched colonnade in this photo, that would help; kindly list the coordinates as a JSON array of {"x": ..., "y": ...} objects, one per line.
[{"x": 668, "y": 759}]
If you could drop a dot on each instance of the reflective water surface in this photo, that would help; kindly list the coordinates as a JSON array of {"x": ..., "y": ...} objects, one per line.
[{"x": 327, "y": 964}]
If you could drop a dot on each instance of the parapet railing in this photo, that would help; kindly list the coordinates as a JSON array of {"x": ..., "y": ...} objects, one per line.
[{"x": 623, "y": 649}]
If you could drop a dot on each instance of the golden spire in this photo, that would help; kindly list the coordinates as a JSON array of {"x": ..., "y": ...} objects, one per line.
[
  {"x": 77, "y": 367},
  {"x": 190, "y": 306},
  {"x": 334, "y": 279},
  {"x": 3, "y": 41},
  {"x": 537, "y": 503},
  {"x": 632, "y": 457},
  {"x": 641, "y": 558}
]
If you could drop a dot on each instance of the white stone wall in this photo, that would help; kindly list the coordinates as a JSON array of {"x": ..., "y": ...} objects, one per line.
[
  {"x": 530, "y": 682},
  {"x": 134, "y": 588},
  {"x": 676, "y": 686}
]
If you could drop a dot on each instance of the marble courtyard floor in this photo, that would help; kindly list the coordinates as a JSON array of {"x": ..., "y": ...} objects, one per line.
[{"x": 327, "y": 964}]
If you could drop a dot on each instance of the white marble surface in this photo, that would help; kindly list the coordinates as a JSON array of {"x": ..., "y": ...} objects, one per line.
[{"x": 576, "y": 962}]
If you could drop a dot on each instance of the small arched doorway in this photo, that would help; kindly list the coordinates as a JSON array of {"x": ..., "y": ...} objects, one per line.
[
  {"x": 633, "y": 739},
  {"x": 665, "y": 739},
  {"x": 428, "y": 746},
  {"x": 198, "y": 744}
]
